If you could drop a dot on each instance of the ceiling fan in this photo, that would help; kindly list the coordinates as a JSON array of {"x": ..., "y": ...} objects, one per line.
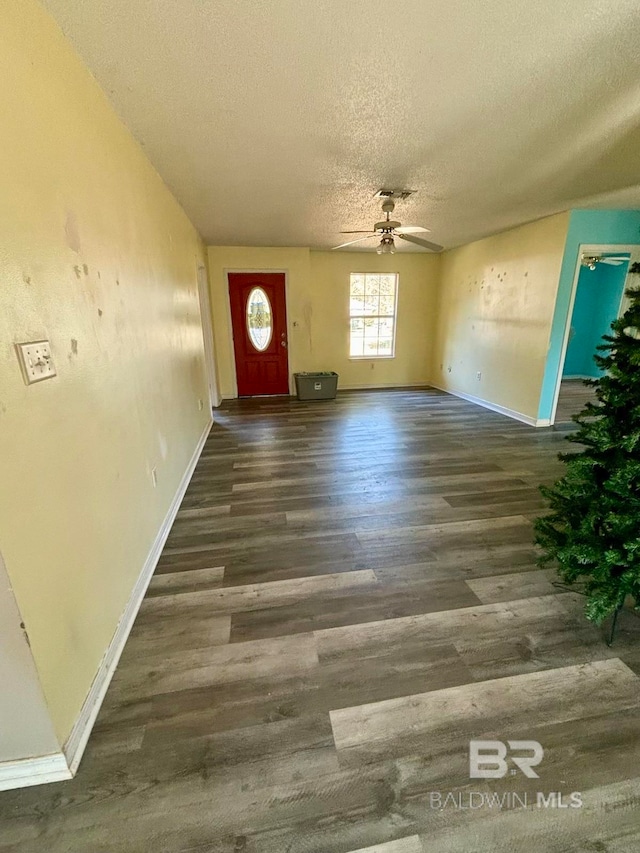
[
  {"x": 388, "y": 230},
  {"x": 590, "y": 261}
]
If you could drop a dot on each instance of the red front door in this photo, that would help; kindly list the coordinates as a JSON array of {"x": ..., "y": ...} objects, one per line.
[{"x": 259, "y": 321}]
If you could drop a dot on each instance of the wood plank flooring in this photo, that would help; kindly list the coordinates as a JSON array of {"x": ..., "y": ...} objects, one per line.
[
  {"x": 574, "y": 394},
  {"x": 349, "y": 594}
]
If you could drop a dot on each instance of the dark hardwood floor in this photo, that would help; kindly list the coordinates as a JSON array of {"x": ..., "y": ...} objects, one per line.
[
  {"x": 574, "y": 395},
  {"x": 349, "y": 595}
]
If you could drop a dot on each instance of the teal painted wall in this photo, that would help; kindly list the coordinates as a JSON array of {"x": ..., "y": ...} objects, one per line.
[
  {"x": 606, "y": 227},
  {"x": 596, "y": 306}
]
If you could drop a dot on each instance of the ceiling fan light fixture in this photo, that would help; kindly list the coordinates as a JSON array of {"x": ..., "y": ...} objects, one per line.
[
  {"x": 387, "y": 246},
  {"x": 591, "y": 261},
  {"x": 388, "y": 229}
]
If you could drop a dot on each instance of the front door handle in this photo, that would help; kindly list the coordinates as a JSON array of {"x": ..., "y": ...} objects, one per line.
[{"x": 283, "y": 344}]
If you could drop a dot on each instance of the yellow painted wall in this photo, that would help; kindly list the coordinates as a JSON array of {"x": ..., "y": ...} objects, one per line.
[
  {"x": 318, "y": 312},
  {"x": 496, "y": 303},
  {"x": 96, "y": 256}
]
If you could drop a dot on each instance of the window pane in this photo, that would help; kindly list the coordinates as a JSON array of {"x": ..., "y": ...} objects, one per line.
[
  {"x": 259, "y": 323},
  {"x": 385, "y": 346},
  {"x": 372, "y": 285},
  {"x": 357, "y": 327},
  {"x": 388, "y": 284},
  {"x": 357, "y": 285},
  {"x": 371, "y": 328},
  {"x": 387, "y": 304},
  {"x": 386, "y": 327},
  {"x": 370, "y": 304},
  {"x": 357, "y": 346}
]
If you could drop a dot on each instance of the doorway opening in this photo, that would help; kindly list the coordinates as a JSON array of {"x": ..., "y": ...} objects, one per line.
[
  {"x": 259, "y": 327},
  {"x": 597, "y": 300}
]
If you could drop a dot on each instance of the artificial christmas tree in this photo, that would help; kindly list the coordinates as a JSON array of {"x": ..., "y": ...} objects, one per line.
[{"x": 593, "y": 529}]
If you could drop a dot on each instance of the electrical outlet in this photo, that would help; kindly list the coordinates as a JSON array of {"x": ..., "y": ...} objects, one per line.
[
  {"x": 154, "y": 477},
  {"x": 478, "y": 376},
  {"x": 35, "y": 361}
]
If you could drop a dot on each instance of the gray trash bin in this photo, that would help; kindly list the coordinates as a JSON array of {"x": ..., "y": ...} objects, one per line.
[{"x": 316, "y": 386}]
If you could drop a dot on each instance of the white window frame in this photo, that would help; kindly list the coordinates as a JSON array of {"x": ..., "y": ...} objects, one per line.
[{"x": 393, "y": 317}]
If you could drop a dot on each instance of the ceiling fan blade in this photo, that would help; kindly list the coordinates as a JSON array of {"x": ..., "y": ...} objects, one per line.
[
  {"x": 366, "y": 231},
  {"x": 614, "y": 262},
  {"x": 351, "y": 242},
  {"x": 434, "y": 247},
  {"x": 412, "y": 229}
]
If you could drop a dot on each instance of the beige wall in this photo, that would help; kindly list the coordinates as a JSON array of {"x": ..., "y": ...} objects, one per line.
[
  {"x": 496, "y": 303},
  {"x": 318, "y": 312},
  {"x": 98, "y": 257}
]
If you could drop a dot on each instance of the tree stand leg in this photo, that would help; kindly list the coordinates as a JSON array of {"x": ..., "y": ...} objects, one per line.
[{"x": 613, "y": 624}]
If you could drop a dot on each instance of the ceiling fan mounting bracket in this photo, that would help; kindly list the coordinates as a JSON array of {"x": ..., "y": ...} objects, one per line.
[{"x": 397, "y": 194}]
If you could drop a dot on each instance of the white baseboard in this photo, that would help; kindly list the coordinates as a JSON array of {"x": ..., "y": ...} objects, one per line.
[
  {"x": 494, "y": 407},
  {"x": 77, "y": 740},
  {"x": 34, "y": 771},
  {"x": 386, "y": 386},
  {"x": 420, "y": 384}
]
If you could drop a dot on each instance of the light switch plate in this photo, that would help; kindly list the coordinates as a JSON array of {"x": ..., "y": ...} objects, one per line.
[{"x": 35, "y": 361}]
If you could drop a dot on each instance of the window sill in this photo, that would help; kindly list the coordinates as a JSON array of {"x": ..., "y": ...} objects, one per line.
[{"x": 371, "y": 357}]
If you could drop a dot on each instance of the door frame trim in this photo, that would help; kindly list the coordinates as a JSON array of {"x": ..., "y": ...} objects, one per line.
[
  {"x": 206, "y": 319},
  {"x": 232, "y": 270}
]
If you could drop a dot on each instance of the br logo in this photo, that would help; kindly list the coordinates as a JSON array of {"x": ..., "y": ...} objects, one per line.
[{"x": 488, "y": 758}]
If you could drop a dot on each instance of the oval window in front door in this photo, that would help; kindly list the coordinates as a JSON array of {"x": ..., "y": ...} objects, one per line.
[{"x": 259, "y": 319}]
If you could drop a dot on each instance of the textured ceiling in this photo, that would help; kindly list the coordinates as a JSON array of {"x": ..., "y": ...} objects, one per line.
[{"x": 275, "y": 121}]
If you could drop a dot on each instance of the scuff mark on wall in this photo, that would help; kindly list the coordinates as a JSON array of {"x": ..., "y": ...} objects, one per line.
[
  {"x": 74, "y": 347},
  {"x": 71, "y": 232},
  {"x": 26, "y": 635},
  {"x": 162, "y": 444}
]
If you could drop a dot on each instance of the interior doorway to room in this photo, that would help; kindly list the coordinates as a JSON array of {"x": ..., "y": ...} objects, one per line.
[
  {"x": 598, "y": 300},
  {"x": 259, "y": 325}
]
